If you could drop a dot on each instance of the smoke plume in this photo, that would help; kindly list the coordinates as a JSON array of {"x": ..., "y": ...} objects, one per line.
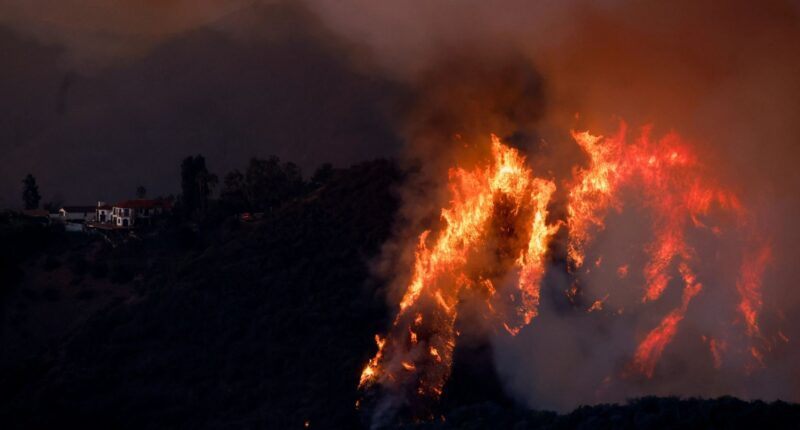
[
  {"x": 99, "y": 85},
  {"x": 722, "y": 76}
]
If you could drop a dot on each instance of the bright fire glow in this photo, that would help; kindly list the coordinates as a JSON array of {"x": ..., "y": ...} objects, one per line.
[
  {"x": 500, "y": 204},
  {"x": 505, "y": 184},
  {"x": 678, "y": 194}
]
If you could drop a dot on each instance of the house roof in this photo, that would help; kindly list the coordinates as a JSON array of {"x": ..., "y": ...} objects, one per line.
[
  {"x": 104, "y": 207},
  {"x": 36, "y": 213},
  {"x": 78, "y": 208},
  {"x": 144, "y": 204}
]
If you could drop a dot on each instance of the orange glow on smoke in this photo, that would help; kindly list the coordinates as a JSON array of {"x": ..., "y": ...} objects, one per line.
[
  {"x": 674, "y": 190},
  {"x": 438, "y": 276},
  {"x": 652, "y": 346},
  {"x": 678, "y": 194}
]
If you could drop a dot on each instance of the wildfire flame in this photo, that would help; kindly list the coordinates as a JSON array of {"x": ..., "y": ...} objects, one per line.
[
  {"x": 679, "y": 194},
  {"x": 502, "y": 204},
  {"x": 421, "y": 361}
]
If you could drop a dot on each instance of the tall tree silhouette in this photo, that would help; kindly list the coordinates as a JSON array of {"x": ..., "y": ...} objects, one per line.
[
  {"x": 233, "y": 194},
  {"x": 30, "y": 192},
  {"x": 196, "y": 184}
]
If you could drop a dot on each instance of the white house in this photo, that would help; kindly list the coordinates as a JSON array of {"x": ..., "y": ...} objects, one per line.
[
  {"x": 131, "y": 213},
  {"x": 103, "y": 213}
]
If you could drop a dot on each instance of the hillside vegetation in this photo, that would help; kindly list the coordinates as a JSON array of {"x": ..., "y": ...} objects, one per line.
[{"x": 264, "y": 324}]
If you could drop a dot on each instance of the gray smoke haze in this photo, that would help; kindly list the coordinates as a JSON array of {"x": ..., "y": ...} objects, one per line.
[
  {"x": 97, "y": 32},
  {"x": 722, "y": 75},
  {"x": 92, "y": 112}
]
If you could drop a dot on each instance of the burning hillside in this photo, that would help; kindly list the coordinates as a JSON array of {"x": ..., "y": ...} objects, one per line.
[
  {"x": 503, "y": 263},
  {"x": 501, "y": 202},
  {"x": 496, "y": 241}
]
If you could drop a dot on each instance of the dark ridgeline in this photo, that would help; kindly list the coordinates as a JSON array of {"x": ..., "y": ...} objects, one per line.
[
  {"x": 643, "y": 413},
  {"x": 265, "y": 184},
  {"x": 263, "y": 324}
]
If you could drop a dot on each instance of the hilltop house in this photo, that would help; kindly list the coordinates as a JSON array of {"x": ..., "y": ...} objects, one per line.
[
  {"x": 103, "y": 215},
  {"x": 138, "y": 212}
]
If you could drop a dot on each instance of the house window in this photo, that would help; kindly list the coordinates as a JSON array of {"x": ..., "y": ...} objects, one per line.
[{"x": 125, "y": 223}]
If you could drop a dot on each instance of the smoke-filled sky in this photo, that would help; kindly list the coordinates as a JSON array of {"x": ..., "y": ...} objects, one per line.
[
  {"x": 88, "y": 84},
  {"x": 725, "y": 76},
  {"x": 101, "y": 96}
]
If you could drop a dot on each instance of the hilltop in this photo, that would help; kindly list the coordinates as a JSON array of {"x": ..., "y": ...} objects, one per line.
[{"x": 263, "y": 324}]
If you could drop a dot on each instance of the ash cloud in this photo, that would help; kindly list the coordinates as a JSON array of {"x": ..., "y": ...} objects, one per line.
[
  {"x": 96, "y": 32},
  {"x": 227, "y": 82},
  {"x": 723, "y": 76}
]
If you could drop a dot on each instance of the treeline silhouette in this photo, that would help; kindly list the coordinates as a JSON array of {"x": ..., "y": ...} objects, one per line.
[{"x": 218, "y": 323}]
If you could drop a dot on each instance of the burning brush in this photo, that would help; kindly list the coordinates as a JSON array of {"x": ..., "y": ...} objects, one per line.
[{"x": 498, "y": 212}]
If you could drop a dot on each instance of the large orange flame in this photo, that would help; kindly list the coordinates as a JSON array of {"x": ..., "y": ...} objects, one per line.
[
  {"x": 674, "y": 188},
  {"x": 419, "y": 348},
  {"x": 678, "y": 193}
]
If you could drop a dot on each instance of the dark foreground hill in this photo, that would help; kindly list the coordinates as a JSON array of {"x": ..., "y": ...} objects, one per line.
[
  {"x": 644, "y": 413},
  {"x": 261, "y": 325}
]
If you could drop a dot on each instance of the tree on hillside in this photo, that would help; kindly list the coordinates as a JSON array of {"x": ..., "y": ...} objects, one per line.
[
  {"x": 322, "y": 175},
  {"x": 206, "y": 182},
  {"x": 30, "y": 192},
  {"x": 265, "y": 185},
  {"x": 196, "y": 184},
  {"x": 233, "y": 192},
  {"x": 268, "y": 182},
  {"x": 141, "y": 192}
]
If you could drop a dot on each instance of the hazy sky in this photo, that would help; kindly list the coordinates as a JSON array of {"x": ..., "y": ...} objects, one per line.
[{"x": 101, "y": 96}]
